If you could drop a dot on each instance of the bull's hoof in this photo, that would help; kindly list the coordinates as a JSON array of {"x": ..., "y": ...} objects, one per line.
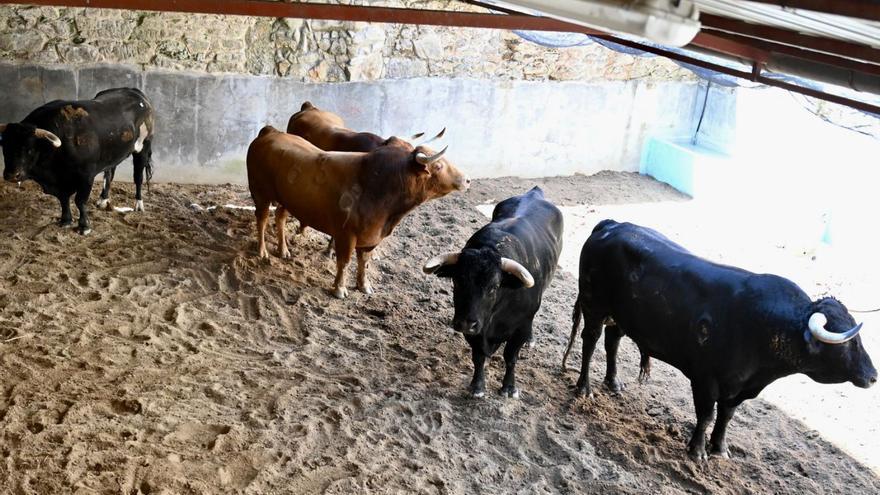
[
  {"x": 697, "y": 451},
  {"x": 139, "y": 205},
  {"x": 84, "y": 230},
  {"x": 366, "y": 288},
  {"x": 583, "y": 391},
  {"x": 264, "y": 255},
  {"x": 477, "y": 391},
  {"x": 284, "y": 254},
  {"x": 104, "y": 204},
  {"x": 613, "y": 385},
  {"x": 65, "y": 223},
  {"x": 644, "y": 376},
  {"x": 340, "y": 293},
  {"x": 719, "y": 451},
  {"x": 509, "y": 391}
]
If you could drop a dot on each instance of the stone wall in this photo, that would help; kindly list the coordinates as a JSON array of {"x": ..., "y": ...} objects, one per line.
[
  {"x": 307, "y": 51},
  {"x": 512, "y": 107}
]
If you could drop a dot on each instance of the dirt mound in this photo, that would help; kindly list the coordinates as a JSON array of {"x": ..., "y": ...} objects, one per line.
[{"x": 158, "y": 354}]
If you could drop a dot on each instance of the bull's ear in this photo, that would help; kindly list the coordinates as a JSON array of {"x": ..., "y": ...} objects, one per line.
[
  {"x": 420, "y": 168},
  {"x": 445, "y": 271},
  {"x": 442, "y": 265}
]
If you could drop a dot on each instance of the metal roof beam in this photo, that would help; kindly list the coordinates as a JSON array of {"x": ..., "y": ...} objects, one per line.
[
  {"x": 825, "y": 45},
  {"x": 822, "y": 58}
]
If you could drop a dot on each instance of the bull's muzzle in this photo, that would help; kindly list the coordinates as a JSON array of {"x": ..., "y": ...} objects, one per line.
[
  {"x": 16, "y": 176},
  {"x": 867, "y": 380},
  {"x": 466, "y": 327}
]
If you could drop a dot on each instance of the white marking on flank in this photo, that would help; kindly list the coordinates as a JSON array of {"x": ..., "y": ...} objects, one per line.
[{"x": 139, "y": 144}]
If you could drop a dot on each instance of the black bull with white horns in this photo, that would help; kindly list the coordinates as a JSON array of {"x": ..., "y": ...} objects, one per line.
[
  {"x": 63, "y": 145},
  {"x": 499, "y": 279},
  {"x": 730, "y": 331}
]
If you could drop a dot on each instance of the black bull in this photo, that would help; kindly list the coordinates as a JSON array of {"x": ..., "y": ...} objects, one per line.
[
  {"x": 730, "y": 331},
  {"x": 63, "y": 145},
  {"x": 499, "y": 278}
]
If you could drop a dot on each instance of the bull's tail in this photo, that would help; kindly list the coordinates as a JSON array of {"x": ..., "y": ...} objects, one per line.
[
  {"x": 576, "y": 316},
  {"x": 148, "y": 166}
]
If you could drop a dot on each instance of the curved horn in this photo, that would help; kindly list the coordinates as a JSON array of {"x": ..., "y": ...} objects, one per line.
[
  {"x": 427, "y": 160},
  {"x": 416, "y": 136},
  {"x": 52, "y": 138},
  {"x": 518, "y": 271},
  {"x": 817, "y": 328},
  {"x": 435, "y": 263},
  {"x": 438, "y": 136}
]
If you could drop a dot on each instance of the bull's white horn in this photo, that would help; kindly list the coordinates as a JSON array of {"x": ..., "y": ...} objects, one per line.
[
  {"x": 518, "y": 271},
  {"x": 427, "y": 160},
  {"x": 817, "y": 328},
  {"x": 416, "y": 136},
  {"x": 52, "y": 138},
  {"x": 436, "y": 262}
]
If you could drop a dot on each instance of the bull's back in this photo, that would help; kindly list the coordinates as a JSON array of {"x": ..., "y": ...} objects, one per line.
[
  {"x": 317, "y": 127},
  {"x": 659, "y": 293},
  {"x": 537, "y": 226},
  {"x": 101, "y": 131}
]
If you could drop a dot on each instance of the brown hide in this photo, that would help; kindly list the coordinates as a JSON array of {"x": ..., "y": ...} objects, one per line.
[
  {"x": 327, "y": 131},
  {"x": 358, "y": 198}
]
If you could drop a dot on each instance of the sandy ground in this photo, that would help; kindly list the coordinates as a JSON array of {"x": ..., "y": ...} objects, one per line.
[{"x": 158, "y": 355}]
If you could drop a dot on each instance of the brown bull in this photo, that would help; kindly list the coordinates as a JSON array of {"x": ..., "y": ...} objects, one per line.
[
  {"x": 357, "y": 198},
  {"x": 327, "y": 131}
]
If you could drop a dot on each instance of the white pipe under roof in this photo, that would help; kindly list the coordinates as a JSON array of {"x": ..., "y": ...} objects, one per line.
[{"x": 668, "y": 22}]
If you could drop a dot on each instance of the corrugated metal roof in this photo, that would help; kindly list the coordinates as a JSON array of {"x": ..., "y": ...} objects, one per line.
[{"x": 860, "y": 31}]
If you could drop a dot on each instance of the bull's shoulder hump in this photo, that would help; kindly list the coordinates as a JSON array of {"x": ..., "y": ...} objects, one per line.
[
  {"x": 636, "y": 235},
  {"x": 46, "y": 116}
]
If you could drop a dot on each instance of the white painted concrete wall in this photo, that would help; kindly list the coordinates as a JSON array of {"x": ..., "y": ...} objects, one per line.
[{"x": 495, "y": 128}]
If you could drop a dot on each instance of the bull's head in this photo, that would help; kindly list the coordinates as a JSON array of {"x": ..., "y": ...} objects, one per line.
[
  {"x": 479, "y": 276},
  {"x": 443, "y": 176},
  {"x": 23, "y": 145},
  {"x": 833, "y": 336}
]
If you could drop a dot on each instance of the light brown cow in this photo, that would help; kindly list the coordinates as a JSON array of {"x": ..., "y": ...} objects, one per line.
[
  {"x": 327, "y": 131},
  {"x": 357, "y": 198}
]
